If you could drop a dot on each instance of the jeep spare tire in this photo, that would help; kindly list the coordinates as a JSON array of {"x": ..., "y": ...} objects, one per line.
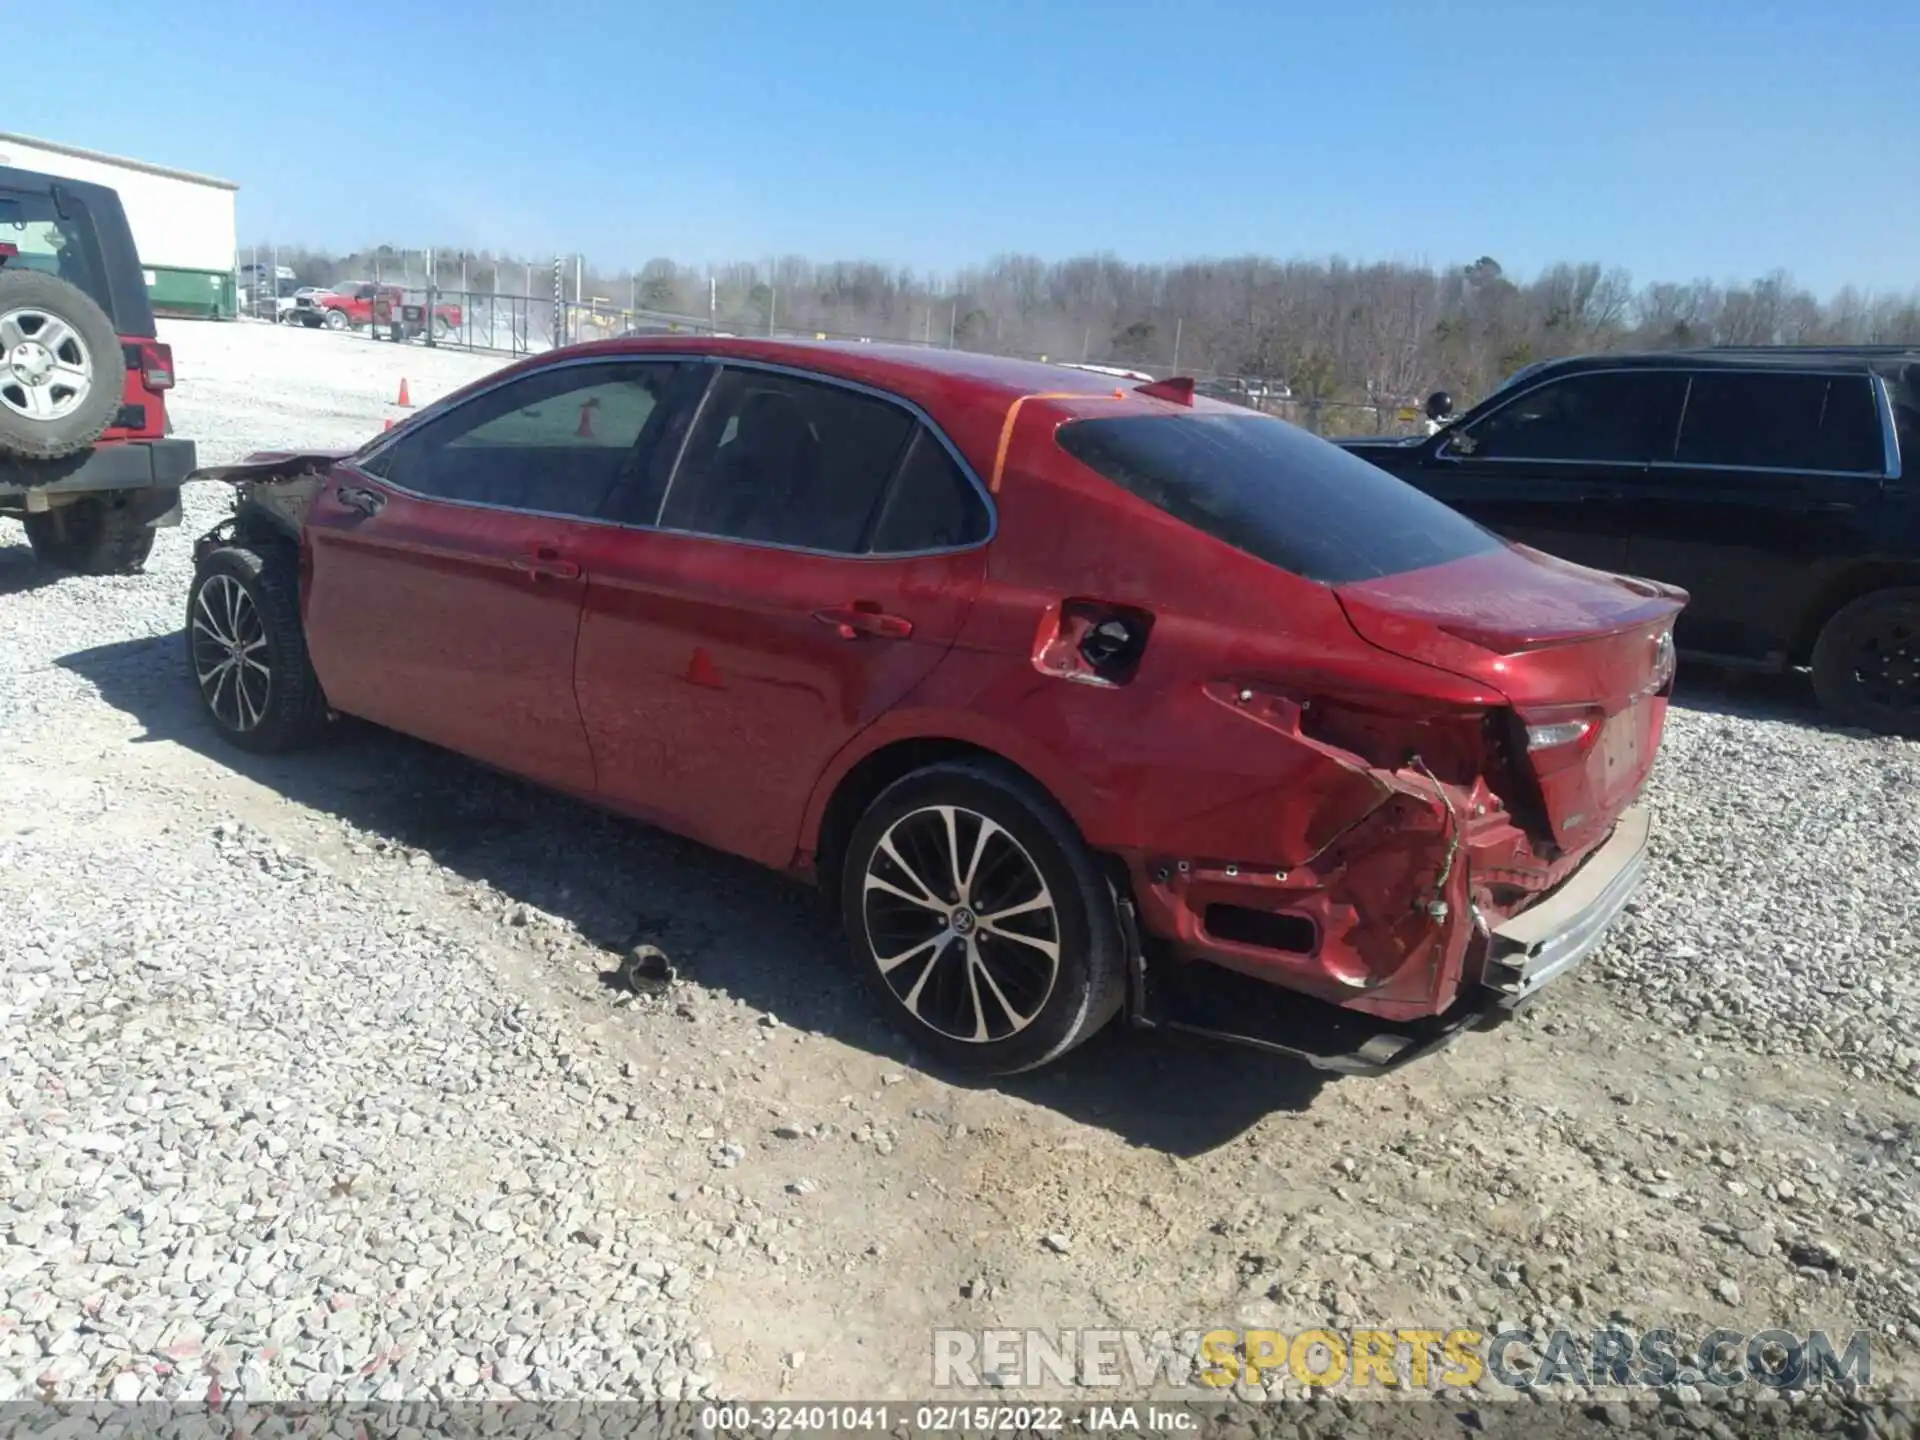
[{"x": 62, "y": 376}]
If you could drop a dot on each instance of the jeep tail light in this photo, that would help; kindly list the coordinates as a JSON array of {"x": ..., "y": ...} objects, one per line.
[{"x": 156, "y": 365}]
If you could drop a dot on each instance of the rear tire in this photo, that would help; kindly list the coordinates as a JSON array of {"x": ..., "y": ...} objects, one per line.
[
  {"x": 979, "y": 920},
  {"x": 247, "y": 652},
  {"x": 96, "y": 536},
  {"x": 1866, "y": 664}
]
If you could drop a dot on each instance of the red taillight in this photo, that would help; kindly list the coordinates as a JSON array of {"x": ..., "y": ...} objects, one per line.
[
  {"x": 156, "y": 365},
  {"x": 1561, "y": 736}
]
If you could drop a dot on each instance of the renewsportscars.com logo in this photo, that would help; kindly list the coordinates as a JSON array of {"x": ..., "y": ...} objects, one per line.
[{"x": 1398, "y": 1359}]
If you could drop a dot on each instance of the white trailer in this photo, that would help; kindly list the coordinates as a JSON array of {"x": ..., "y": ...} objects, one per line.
[{"x": 183, "y": 223}]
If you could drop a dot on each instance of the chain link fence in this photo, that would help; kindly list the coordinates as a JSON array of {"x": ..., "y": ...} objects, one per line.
[{"x": 520, "y": 325}]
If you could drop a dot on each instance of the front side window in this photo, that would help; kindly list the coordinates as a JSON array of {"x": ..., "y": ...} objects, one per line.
[
  {"x": 1782, "y": 422},
  {"x": 558, "y": 441},
  {"x": 1276, "y": 492},
  {"x": 1625, "y": 417},
  {"x": 785, "y": 461}
]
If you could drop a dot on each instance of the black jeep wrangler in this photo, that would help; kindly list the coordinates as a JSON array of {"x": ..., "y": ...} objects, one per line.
[
  {"x": 87, "y": 461},
  {"x": 1780, "y": 486}
]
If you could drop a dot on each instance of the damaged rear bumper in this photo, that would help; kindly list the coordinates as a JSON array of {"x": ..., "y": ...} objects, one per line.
[
  {"x": 1522, "y": 955},
  {"x": 1550, "y": 938}
]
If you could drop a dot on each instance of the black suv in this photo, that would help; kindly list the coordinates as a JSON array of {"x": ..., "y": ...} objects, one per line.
[
  {"x": 1767, "y": 482},
  {"x": 87, "y": 458}
]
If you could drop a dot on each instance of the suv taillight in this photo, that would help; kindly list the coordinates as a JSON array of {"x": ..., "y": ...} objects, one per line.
[{"x": 156, "y": 365}]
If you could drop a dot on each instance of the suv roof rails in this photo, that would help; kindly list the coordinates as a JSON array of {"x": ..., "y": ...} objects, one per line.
[{"x": 1912, "y": 349}]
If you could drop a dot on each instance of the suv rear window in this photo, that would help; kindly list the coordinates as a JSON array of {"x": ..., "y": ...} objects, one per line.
[
  {"x": 49, "y": 242},
  {"x": 1276, "y": 492}
]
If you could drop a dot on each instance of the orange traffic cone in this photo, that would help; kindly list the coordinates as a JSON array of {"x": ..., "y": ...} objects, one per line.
[
  {"x": 405, "y": 402},
  {"x": 585, "y": 430},
  {"x": 387, "y": 426}
]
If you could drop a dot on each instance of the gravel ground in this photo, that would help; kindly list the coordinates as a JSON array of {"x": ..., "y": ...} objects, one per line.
[{"x": 315, "y": 1085}]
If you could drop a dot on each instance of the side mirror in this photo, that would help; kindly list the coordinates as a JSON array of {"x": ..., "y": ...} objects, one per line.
[{"x": 1439, "y": 405}]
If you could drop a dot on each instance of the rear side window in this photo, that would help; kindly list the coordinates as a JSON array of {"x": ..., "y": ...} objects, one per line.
[
  {"x": 1617, "y": 416},
  {"x": 931, "y": 504},
  {"x": 1782, "y": 422},
  {"x": 63, "y": 246},
  {"x": 785, "y": 461},
  {"x": 1278, "y": 493}
]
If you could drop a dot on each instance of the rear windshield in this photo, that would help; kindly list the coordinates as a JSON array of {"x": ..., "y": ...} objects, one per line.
[
  {"x": 1278, "y": 493},
  {"x": 50, "y": 243}
]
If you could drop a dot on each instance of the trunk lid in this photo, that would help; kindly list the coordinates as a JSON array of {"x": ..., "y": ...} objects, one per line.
[{"x": 1584, "y": 657}]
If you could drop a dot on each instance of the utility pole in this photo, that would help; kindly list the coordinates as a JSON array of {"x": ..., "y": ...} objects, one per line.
[
  {"x": 773, "y": 299},
  {"x": 953, "y": 320},
  {"x": 559, "y": 301},
  {"x": 1178, "y": 321},
  {"x": 713, "y": 305}
]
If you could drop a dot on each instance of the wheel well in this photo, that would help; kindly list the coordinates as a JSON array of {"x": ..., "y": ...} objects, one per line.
[
  {"x": 860, "y": 785},
  {"x": 1843, "y": 590}
]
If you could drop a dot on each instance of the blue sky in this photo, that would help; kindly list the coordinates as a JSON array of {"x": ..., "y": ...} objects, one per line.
[{"x": 1680, "y": 138}]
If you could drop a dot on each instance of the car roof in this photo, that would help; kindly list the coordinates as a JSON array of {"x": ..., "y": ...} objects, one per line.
[{"x": 918, "y": 372}]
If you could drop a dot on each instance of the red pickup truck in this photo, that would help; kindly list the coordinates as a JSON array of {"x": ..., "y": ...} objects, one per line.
[{"x": 353, "y": 307}]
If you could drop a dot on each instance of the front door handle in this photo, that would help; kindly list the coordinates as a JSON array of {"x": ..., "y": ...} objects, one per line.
[
  {"x": 864, "y": 617},
  {"x": 544, "y": 560},
  {"x": 355, "y": 497}
]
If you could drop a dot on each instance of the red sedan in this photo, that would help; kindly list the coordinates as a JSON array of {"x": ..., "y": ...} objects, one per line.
[{"x": 1083, "y": 698}]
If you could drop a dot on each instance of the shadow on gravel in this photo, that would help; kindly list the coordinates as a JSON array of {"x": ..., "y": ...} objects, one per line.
[
  {"x": 726, "y": 924},
  {"x": 20, "y": 572}
]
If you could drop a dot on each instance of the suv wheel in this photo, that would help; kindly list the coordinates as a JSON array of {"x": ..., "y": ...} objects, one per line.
[
  {"x": 95, "y": 536},
  {"x": 337, "y": 320},
  {"x": 1866, "y": 664},
  {"x": 62, "y": 375},
  {"x": 248, "y": 652},
  {"x": 979, "y": 919}
]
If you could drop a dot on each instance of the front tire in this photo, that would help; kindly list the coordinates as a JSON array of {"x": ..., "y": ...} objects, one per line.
[
  {"x": 337, "y": 320},
  {"x": 1866, "y": 664},
  {"x": 979, "y": 919},
  {"x": 247, "y": 651},
  {"x": 96, "y": 536}
]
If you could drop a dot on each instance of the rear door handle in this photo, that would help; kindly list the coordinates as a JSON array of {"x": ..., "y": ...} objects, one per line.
[
  {"x": 544, "y": 560},
  {"x": 863, "y": 617},
  {"x": 355, "y": 497},
  {"x": 1602, "y": 497}
]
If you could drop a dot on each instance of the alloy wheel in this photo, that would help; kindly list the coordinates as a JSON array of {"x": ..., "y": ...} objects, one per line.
[
  {"x": 961, "y": 923},
  {"x": 1886, "y": 665},
  {"x": 46, "y": 372},
  {"x": 230, "y": 653}
]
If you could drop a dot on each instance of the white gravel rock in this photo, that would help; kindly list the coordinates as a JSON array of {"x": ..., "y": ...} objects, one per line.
[{"x": 258, "y": 1119}]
